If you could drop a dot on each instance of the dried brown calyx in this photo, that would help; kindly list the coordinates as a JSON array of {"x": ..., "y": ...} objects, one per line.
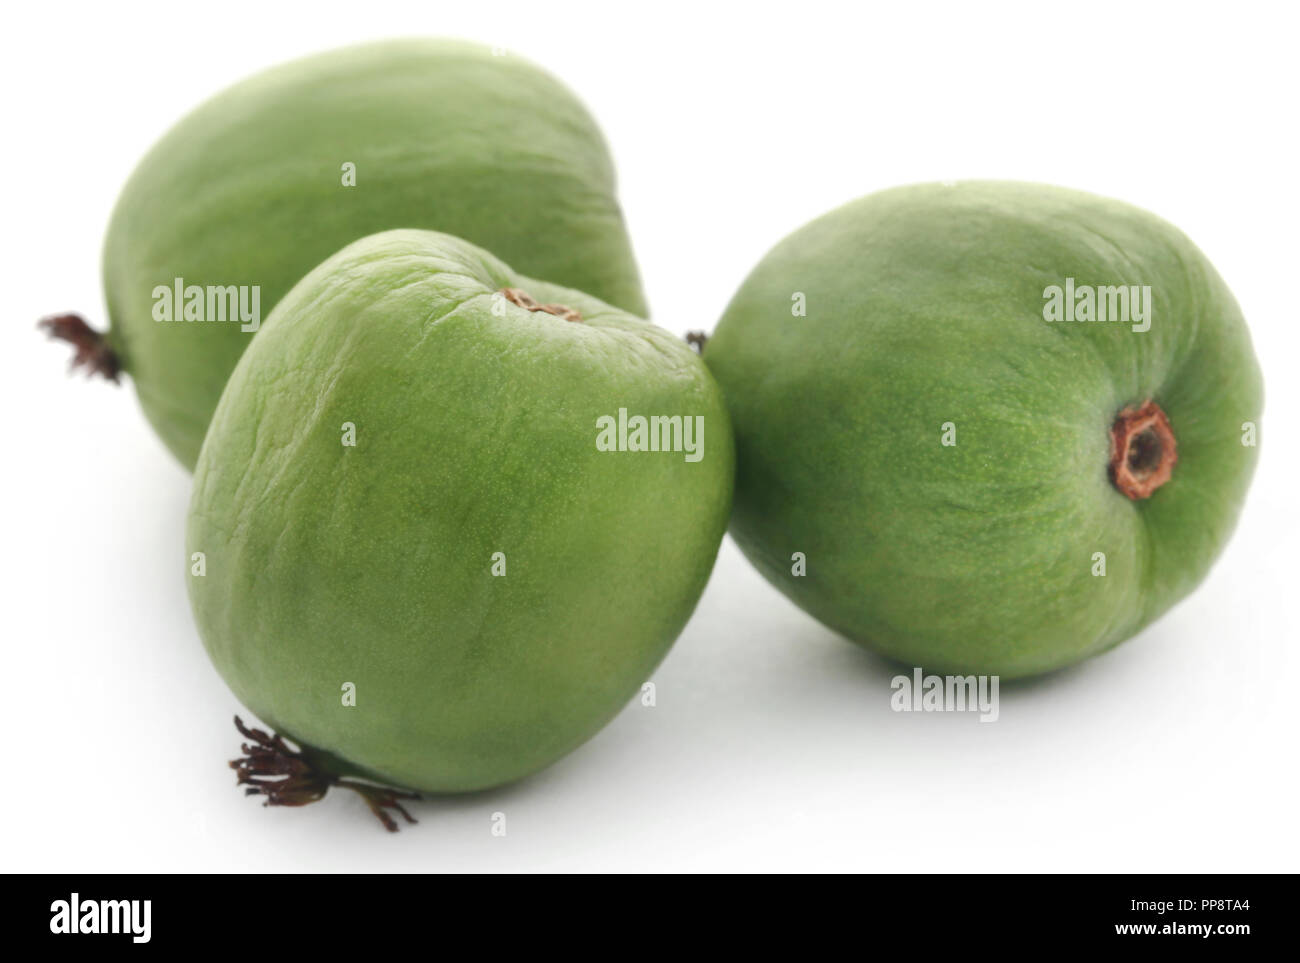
[
  {"x": 288, "y": 778},
  {"x": 91, "y": 350},
  {"x": 526, "y": 301},
  {"x": 1143, "y": 450}
]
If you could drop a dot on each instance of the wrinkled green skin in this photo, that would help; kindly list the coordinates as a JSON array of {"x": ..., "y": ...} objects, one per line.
[
  {"x": 247, "y": 190},
  {"x": 476, "y": 434},
  {"x": 925, "y": 306}
]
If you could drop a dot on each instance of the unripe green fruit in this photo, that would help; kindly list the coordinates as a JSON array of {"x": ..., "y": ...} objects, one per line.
[
  {"x": 941, "y": 453},
  {"x": 404, "y": 489},
  {"x": 251, "y": 190}
]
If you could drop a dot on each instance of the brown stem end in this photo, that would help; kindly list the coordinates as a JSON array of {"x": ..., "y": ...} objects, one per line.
[
  {"x": 1143, "y": 450},
  {"x": 91, "y": 350},
  {"x": 270, "y": 768},
  {"x": 697, "y": 340}
]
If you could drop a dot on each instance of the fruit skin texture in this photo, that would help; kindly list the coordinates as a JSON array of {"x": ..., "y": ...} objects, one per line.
[
  {"x": 925, "y": 306},
  {"x": 247, "y": 190},
  {"x": 476, "y": 434}
]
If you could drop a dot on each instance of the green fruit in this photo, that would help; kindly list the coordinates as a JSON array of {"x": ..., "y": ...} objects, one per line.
[
  {"x": 940, "y": 452},
  {"x": 249, "y": 190},
  {"x": 475, "y": 406}
]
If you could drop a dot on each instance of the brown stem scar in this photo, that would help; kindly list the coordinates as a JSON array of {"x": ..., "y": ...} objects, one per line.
[
  {"x": 269, "y": 767},
  {"x": 526, "y": 301},
  {"x": 1143, "y": 450},
  {"x": 697, "y": 340},
  {"x": 91, "y": 350}
]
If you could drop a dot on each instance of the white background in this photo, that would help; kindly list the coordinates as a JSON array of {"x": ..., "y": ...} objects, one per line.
[{"x": 773, "y": 745}]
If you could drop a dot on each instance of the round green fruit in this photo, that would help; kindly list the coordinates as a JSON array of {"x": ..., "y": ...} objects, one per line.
[
  {"x": 979, "y": 478},
  {"x": 427, "y": 483},
  {"x": 267, "y": 179}
]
